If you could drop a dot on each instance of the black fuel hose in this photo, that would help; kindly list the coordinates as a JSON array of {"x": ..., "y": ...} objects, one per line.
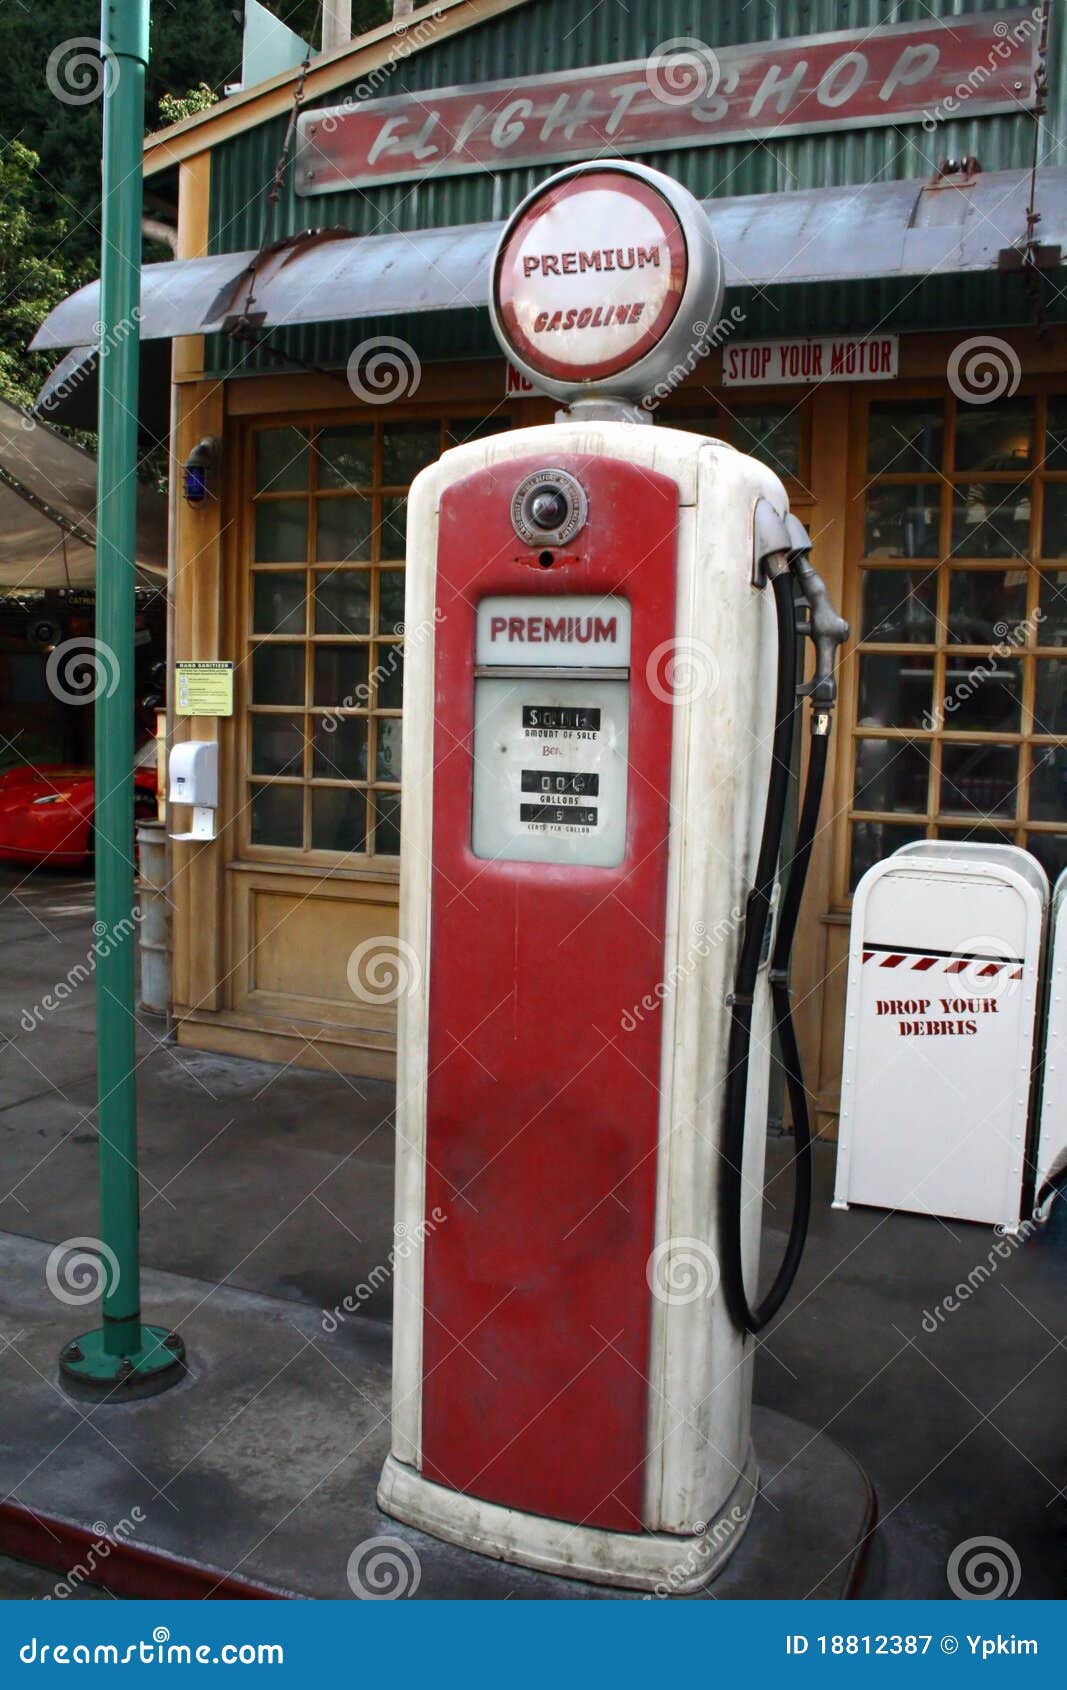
[
  {"x": 789, "y": 1050},
  {"x": 757, "y": 913}
]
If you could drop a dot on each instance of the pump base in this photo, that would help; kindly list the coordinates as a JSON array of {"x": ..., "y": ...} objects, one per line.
[
  {"x": 86, "y": 1368},
  {"x": 662, "y": 1563}
]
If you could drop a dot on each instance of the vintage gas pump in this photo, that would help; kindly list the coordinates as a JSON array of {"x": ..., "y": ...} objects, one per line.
[{"x": 599, "y": 719}]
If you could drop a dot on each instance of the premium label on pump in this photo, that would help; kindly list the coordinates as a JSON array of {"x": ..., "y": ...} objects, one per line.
[
  {"x": 551, "y": 722},
  {"x": 546, "y": 633}
]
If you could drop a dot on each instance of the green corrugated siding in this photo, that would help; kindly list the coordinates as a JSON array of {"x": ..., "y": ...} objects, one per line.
[
  {"x": 567, "y": 34},
  {"x": 945, "y": 302}
]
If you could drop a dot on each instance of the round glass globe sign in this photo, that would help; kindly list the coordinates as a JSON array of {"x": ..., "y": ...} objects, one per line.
[{"x": 607, "y": 280}]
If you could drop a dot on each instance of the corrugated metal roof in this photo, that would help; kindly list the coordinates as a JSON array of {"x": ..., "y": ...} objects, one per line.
[
  {"x": 961, "y": 302},
  {"x": 825, "y": 235}
]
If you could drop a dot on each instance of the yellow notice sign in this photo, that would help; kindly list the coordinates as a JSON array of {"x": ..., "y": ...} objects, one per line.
[{"x": 204, "y": 689}]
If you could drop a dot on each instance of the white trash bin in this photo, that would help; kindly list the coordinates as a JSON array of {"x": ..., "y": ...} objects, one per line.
[
  {"x": 944, "y": 965},
  {"x": 1052, "y": 1130}
]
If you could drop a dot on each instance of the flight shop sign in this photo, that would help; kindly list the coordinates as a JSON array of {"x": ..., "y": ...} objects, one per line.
[{"x": 965, "y": 66}]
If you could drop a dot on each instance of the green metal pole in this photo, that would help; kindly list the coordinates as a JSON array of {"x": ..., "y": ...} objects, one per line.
[{"x": 122, "y": 1357}]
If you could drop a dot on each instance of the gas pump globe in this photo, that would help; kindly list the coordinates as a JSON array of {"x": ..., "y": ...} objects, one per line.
[{"x": 598, "y": 738}]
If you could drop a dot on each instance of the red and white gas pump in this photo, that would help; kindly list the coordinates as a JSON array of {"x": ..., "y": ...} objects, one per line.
[{"x": 599, "y": 712}]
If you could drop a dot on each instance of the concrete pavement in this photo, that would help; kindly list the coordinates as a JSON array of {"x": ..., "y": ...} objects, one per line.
[{"x": 274, "y": 1186}]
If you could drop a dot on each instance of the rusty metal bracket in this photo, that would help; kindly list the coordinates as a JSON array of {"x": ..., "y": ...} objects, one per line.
[{"x": 1029, "y": 256}]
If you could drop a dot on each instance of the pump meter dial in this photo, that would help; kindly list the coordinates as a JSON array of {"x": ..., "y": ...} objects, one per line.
[{"x": 548, "y": 508}]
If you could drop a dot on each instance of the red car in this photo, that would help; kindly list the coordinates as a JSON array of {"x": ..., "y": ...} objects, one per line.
[{"x": 46, "y": 813}]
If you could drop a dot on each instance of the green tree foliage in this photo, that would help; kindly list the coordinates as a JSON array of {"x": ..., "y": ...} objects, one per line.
[
  {"x": 33, "y": 275},
  {"x": 173, "y": 107},
  {"x": 50, "y": 143},
  {"x": 192, "y": 41}
]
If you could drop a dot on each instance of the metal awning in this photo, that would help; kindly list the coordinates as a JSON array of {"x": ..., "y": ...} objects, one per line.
[
  {"x": 71, "y": 395},
  {"x": 48, "y": 511},
  {"x": 876, "y": 230}
]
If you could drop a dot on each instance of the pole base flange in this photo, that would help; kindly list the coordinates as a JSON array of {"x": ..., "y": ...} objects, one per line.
[{"x": 87, "y": 1369}]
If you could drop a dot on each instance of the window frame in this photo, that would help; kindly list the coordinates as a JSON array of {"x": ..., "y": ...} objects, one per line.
[
  {"x": 372, "y": 864},
  {"x": 933, "y": 821}
]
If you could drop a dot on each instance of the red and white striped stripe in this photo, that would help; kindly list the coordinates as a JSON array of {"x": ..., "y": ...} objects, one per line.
[{"x": 944, "y": 962}]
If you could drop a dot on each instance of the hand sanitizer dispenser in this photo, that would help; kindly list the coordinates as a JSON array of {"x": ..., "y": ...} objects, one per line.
[{"x": 194, "y": 779}]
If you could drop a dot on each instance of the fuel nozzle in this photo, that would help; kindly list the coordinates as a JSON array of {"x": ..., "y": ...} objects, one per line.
[
  {"x": 771, "y": 543},
  {"x": 823, "y": 626}
]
